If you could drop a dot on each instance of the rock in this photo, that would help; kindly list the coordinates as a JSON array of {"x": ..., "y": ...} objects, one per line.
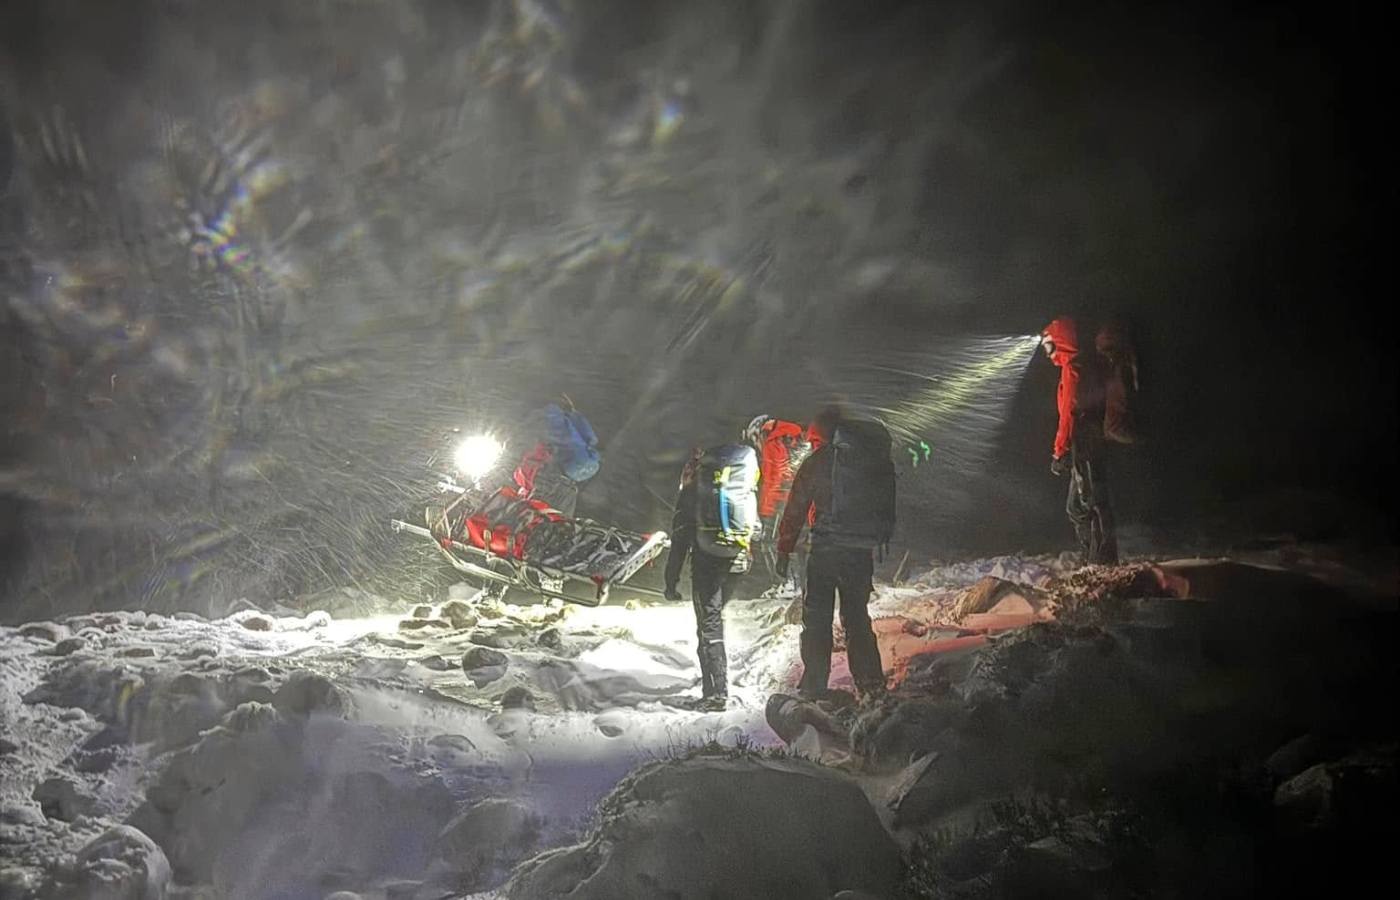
[
  {"x": 733, "y": 827},
  {"x": 7, "y": 747},
  {"x": 612, "y": 723},
  {"x": 62, "y": 799},
  {"x": 1295, "y": 756},
  {"x": 93, "y": 762},
  {"x": 44, "y": 631},
  {"x": 805, "y": 724},
  {"x": 1307, "y": 799},
  {"x": 500, "y": 638},
  {"x": 481, "y": 657},
  {"x": 199, "y": 651},
  {"x": 69, "y": 646},
  {"x": 551, "y": 639},
  {"x": 188, "y": 617},
  {"x": 401, "y": 890},
  {"x": 305, "y": 693},
  {"x": 518, "y": 698},
  {"x": 489, "y": 835},
  {"x": 485, "y": 675},
  {"x": 136, "y": 652},
  {"x": 122, "y": 864},
  {"x": 423, "y": 624},
  {"x": 458, "y": 613},
  {"x": 316, "y": 619},
  {"x": 396, "y": 643},
  {"x": 20, "y": 884},
  {"x": 436, "y": 662},
  {"x": 423, "y": 611},
  {"x": 256, "y": 622},
  {"x": 21, "y": 814}
]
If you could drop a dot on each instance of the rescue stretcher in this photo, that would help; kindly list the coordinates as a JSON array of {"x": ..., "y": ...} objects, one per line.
[{"x": 506, "y": 540}]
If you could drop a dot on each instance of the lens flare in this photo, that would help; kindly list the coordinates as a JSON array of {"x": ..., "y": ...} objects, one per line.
[{"x": 477, "y": 455}]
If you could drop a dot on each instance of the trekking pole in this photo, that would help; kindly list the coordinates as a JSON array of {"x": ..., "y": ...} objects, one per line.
[{"x": 899, "y": 572}]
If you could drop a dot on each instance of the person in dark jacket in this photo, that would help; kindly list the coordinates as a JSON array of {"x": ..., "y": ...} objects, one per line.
[
  {"x": 713, "y": 579},
  {"x": 840, "y": 562},
  {"x": 1079, "y": 442}
]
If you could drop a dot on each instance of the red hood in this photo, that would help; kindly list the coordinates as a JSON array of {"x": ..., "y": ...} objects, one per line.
[{"x": 1065, "y": 336}]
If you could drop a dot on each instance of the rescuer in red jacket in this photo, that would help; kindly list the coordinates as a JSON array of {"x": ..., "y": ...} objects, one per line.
[
  {"x": 781, "y": 448},
  {"x": 1079, "y": 441}
]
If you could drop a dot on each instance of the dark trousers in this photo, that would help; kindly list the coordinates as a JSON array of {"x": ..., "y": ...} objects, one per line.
[
  {"x": 711, "y": 587},
  {"x": 847, "y": 572},
  {"x": 1090, "y": 509}
]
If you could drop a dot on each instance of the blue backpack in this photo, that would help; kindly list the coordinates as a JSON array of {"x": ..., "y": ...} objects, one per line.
[{"x": 575, "y": 445}]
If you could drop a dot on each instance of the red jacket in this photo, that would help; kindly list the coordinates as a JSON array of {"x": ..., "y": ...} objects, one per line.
[
  {"x": 1065, "y": 336},
  {"x": 785, "y": 445},
  {"x": 530, "y": 465}
]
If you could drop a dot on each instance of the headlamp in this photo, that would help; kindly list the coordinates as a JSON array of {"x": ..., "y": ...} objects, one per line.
[{"x": 477, "y": 455}]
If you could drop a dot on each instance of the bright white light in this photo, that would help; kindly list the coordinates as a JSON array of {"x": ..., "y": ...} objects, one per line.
[{"x": 477, "y": 454}]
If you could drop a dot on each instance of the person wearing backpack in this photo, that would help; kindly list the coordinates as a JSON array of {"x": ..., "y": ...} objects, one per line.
[
  {"x": 1082, "y": 401},
  {"x": 566, "y": 457},
  {"x": 847, "y": 489},
  {"x": 715, "y": 522},
  {"x": 781, "y": 448}
]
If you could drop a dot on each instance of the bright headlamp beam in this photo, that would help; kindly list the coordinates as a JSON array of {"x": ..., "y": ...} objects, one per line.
[{"x": 476, "y": 455}]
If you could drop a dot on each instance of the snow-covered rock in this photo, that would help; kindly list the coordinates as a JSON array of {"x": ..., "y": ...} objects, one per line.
[
  {"x": 122, "y": 864},
  {"x": 488, "y": 835},
  {"x": 63, "y": 799},
  {"x": 734, "y": 827}
]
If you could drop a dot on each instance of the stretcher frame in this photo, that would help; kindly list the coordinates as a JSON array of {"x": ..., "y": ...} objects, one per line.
[{"x": 585, "y": 588}]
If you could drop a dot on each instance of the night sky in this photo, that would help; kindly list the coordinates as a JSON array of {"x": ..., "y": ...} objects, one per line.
[{"x": 257, "y": 256}]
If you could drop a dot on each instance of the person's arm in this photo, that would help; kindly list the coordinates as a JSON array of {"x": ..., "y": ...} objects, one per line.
[
  {"x": 799, "y": 502},
  {"x": 682, "y": 536},
  {"x": 1064, "y": 398},
  {"x": 530, "y": 467},
  {"x": 584, "y": 429}
]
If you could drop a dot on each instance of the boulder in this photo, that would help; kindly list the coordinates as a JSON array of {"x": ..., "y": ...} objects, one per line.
[
  {"x": 458, "y": 613},
  {"x": 122, "y": 864},
  {"x": 724, "y": 826},
  {"x": 51, "y": 632},
  {"x": 487, "y": 836},
  {"x": 62, "y": 799},
  {"x": 305, "y": 693}
]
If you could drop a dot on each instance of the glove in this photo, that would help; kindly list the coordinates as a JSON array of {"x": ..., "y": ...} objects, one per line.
[
  {"x": 783, "y": 565},
  {"x": 1059, "y": 466},
  {"x": 672, "y": 594}
]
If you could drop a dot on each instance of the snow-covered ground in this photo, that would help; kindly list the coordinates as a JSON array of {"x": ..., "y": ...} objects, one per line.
[
  {"x": 561, "y": 705},
  {"x": 423, "y": 751}
]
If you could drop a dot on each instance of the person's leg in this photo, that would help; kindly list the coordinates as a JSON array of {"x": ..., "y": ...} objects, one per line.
[
  {"x": 855, "y": 585},
  {"x": 708, "y": 574},
  {"x": 818, "y": 605},
  {"x": 1103, "y": 549},
  {"x": 1078, "y": 510}
]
